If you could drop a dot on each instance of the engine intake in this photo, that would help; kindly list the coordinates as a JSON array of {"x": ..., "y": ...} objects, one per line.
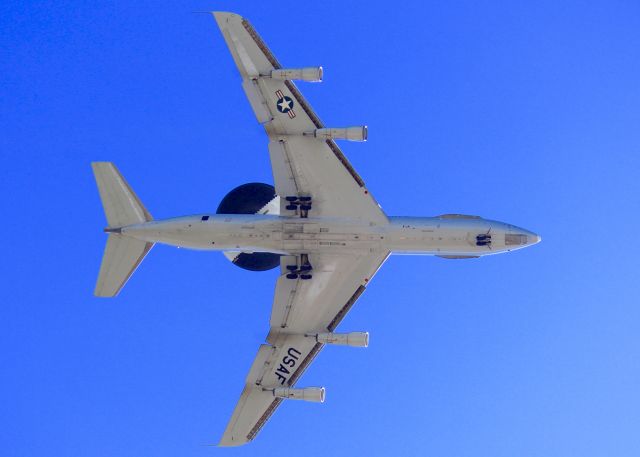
[
  {"x": 309, "y": 74},
  {"x": 315, "y": 394}
]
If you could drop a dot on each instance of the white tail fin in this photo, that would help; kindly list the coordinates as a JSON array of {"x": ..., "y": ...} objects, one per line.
[
  {"x": 122, "y": 255},
  {"x": 122, "y": 207}
]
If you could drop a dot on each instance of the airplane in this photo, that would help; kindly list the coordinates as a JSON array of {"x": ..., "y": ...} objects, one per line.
[{"x": 318, "y": 224}]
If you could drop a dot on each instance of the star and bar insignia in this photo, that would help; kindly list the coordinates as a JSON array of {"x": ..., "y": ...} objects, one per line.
[{"x": 285, "y": 104}]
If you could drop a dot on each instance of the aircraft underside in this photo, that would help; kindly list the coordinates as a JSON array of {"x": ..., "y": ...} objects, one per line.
[
  {"x": 448, "y": 235},
  {"x": 318, "y": 223}
]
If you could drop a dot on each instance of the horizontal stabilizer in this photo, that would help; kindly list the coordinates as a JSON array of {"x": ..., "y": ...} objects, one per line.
[
  {"x": 121, "y": 258},
  {"x": 121, "y": 205}
]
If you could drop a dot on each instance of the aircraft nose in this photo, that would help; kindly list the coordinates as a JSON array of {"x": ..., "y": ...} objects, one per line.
[
  {"x": 519, "y": 237},
  {"x": 532, "y": 238}
]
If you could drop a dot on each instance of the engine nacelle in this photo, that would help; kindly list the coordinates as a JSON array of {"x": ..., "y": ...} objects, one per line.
[
  {"x": 315, "y": 394},
  {"x": 309, "y": 74},
  {"x": 347, "y": 133},
  {"x": 252, "y": 198},
  {"x": 353, "y": 339}
]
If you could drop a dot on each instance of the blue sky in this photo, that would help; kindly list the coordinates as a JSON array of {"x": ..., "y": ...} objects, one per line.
[{"x": 525, "y": 112}]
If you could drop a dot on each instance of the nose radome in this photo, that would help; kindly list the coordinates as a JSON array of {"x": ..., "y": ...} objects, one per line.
[{"x": 532, "y": 238}]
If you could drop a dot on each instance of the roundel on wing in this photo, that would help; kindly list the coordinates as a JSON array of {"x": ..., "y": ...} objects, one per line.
[
  {"x": 249, "y": 199},
  {"x": 284, "y": 104}
]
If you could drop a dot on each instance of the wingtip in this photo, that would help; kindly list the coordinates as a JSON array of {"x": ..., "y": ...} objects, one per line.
[
  {"x": 100, "y": 163},
  {"x": 231, "y": 441},
  {"x": 224, "y": 16},
  {"x": 219, "y": 16},
  {"x": 224, "y": 443}
]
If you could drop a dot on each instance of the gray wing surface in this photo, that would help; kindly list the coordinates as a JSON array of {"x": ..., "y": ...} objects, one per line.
[
  {"x": 301, "y": 165},
  {"x": 299, "y": 307}
]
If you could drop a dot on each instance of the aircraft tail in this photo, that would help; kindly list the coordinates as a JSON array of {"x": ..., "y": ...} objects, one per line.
[
  {"x": 121, "y": 205},
  {"x": 122, "y": 255}
]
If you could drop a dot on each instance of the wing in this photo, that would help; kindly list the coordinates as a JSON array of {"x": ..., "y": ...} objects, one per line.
[
  {"x": 300, "y": 307},
  {"x": 302, "y": 164}
]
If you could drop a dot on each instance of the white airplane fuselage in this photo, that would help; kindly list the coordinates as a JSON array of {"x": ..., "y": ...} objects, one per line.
[{"x": 454, "y": 236}]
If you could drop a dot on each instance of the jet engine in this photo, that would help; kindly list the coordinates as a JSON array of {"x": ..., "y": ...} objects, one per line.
[
  {"x": 315, "y": 394},
  {"x": 252, "y": 198},
  {"x": 344, "y": 133},
  {"x": 310, "y": 74},
  {"x": 353, "y": 339}
]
